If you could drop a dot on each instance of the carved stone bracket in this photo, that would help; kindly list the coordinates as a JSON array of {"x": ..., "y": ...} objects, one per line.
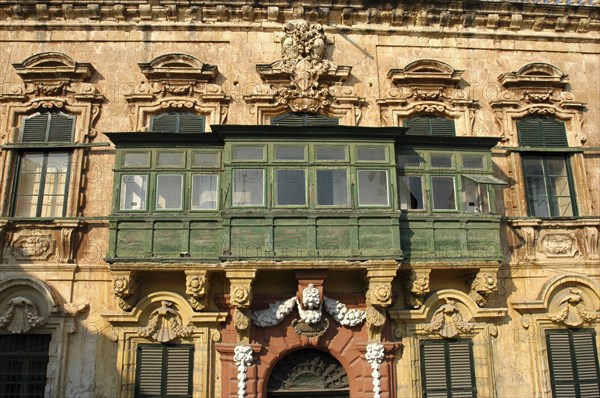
[
  {"x": 73, "y": 310},
  {"x": 125, "y": 286},
  {"x": 240, "y": 298},
  {"x": 417, "y": 287},
  {"x": 197, "y": 286},
  {"x": 165, "y": 324},
  {"x": 482, "y": 285},
  {"x": 378, "y": 298}
]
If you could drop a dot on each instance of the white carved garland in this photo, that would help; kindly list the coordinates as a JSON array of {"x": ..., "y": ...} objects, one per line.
[
  {"x": 375, "y": 354},
  {"x": 310, "y": 312},
  {"x": 242, "y": 356}
]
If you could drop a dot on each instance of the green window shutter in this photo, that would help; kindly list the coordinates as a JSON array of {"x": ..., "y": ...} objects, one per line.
[
  {"x": 430, "y": 125},
  {"x": 190, "y": 123},
  {"x": 164, "y": 371},
  {"x": 418, "y": 125},
  {"x": 442, "y": 127},
  {"x": 304, "y": 119},
  {"x": 164, "y": 123},
  {"x": 447, "y": 368},
  {"x": 35, "y": 128},
  {"x": 61, "y": 128},
  {"x": 537, "y": 131},
  {"x": 572, "y": 356}
]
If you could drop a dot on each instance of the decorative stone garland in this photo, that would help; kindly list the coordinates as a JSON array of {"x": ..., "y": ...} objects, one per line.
[
  {"x": 242, "y": 356},
  {"x": 374, "y": 355}
]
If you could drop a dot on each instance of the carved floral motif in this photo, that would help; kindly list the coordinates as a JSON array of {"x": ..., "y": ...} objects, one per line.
[
  {"x": 197, "y": 285},
  {"x": 447, "y": 321},
  {"x": 374, "y": 355},
  {"x": 242, "y": 356},
  {"x": 418, "y": 284},
  {"x": 124, "y": 286},
  {"x": 34, "y": 245},
  {"x": 482, "y": 285},
  {"x": 572, "y": 311},
  {"x": 21, "y": 316},
  {"x": 165, "y": 324}
]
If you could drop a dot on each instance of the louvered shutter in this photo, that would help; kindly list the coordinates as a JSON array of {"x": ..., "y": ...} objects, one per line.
[
  {"x": 554, "y": 133},
  {"x": 319, "y": 120},
  {"x": 35, "y": 128},
  {"x": 418, "y": 125},
  {"x": 447, "y": 368},
  {"x": 304, "y": 119},
  {"x": 164, "y": 123},
  {"x": 538, "y": 131},
  {"x": 190, "y": 123},
  {"x": 430, "y": 125},
  {"x": 572, "y": 356},
  {"x": 433, "y": 365},
  {"x": 460, "y": 357},
  {"x": 179, "y": 368},
  {"x": 149, "y": 371},
  {"x": 61, "y": 127},
  {"x": 442, "y": 127}
]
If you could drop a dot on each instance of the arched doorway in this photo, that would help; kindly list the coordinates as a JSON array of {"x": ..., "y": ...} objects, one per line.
[{"x": 308, "y": 373}]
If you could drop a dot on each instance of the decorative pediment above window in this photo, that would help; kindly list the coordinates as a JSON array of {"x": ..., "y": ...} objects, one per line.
[
  {"x": 303, "y": 80},
  {"x": 431, "y": 87},
  {"x": 536, "y": 88},
  {"x": 177, "y": 82}
]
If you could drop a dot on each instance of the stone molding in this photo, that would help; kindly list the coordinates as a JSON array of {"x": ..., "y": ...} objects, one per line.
[{"x": 489, "y": 15}]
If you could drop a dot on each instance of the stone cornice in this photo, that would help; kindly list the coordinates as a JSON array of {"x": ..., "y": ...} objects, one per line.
[{"x": 487, "y": 16}]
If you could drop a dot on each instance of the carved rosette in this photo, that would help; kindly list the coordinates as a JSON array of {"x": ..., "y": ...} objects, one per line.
[
  {"x": 375, "y": 355},
  {"x": 482, "y": 285},
  {"x": 165, "y": 324},
  {"x": 572, "y": 310},
  {"x": 197, "y": 286},
  {"x": 242, "y": 357},
  {"x": 125, "y": 286},
  {"x": 418, "y": 287},
  {"x": 240, "y": 298},
  {"x": 21, "y": 316},
  {"x": 378, "y": 298},
  {"x": 447, "y": 321}
]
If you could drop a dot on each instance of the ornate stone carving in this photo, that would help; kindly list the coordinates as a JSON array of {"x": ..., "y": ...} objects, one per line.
[
  {"x": 165, "y": 324},
  {"x": 378, "y": 297},
  {"x": 559, "y": 245},
  {"x": 197, "y": 286},
  {"x": 124, "y": 286},
  {"x": 73, "y": 310},
  {"x": 242, "y": 357},
  {"x": 447, "y": 321},
  {"x": 304, "y": 67},
  {"x": 572, "y": 310},
  {"x": 482, "y": 285},
  {"x": 274, "y": 314},
  {"x": 418, "y": 287},
  {"x": 21, "y": 316},
  {"x": 240, "y": 297},
  {"x": 375, "y": 355},
  {"x": 33, "y": 245},
  {"x": 589, "y": 240},
  {"x": 342, "y": 314}
]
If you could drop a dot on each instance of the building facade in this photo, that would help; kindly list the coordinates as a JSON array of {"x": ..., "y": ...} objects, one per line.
[{"x": 276, "y": 199}]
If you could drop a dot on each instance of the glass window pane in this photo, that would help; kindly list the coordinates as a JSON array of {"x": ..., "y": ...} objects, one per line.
[
  {"x": 52, "y": 206},
  {"x": 290, "y": 152},
  {"x": 205, "y": 192},
  {"x": 372, "y": 188},
  {"x": 291, "y": 187},
  {"x": 409, "y": 161},
  {"x": 332, "y": 187},
  {"x": 206, "y": 159},
  {"x": 539, "y": 206},
  {"x": 168, "y": 191},
  {"x": 133, "y": 159},
  {"x": 472, "y": 162},
  {"x": 441, "y": 161},
  {"x": 26, "y": 206},
  {"x": 533, "y": 166},
  {"x": 443, "y": 193},
  {"x": 564, "y": 206},
  {"x": 371, "y": 153},
  {"x": 248, "y": 187},
  {"x": 331, "y": 153},
  {"x": 170, "y": 159},
  {"x": 475, "y": 196},
  {"x": 133, "y": 192},
  {"x": 411, "y": 193},
  {"x": 556, "y": 166},
  {"x": 248, "y": 153}
]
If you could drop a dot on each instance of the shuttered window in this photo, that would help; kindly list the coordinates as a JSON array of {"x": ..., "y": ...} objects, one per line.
[
  {"x": 573, "y": 359},
  {"x": 430, "y": 125},
  {"x": 23, "y": 363},
  {"x": 164, "y": 371},
  {"x": 447, "y": 368},
  {"x": 48, "y": 127},
  {"x": 304, "y": 119},
  {"x": 539, "y": 131},
  {"x": 178, "y": 122}
]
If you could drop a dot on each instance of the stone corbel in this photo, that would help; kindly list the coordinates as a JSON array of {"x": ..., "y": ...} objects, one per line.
[
  {"x": 197, "y": 286},
  {"x": 67, "y": 240},
  {"x": 73, "y": 310},
  {"x": 125, "y": 286},
  {"x": 240, "y": 298},
  {"x": 417, "y": 287},
  {"x": 484, "y": 283},
  {"x": 4, "y": 238},
  {"x": 379, "y": 297}
]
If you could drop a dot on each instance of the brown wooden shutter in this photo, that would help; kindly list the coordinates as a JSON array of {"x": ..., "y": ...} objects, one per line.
[
  {"x": 148, "y": 380},
  {"x": 164, "y": 371},
  {"x": 179, "y": 371}
]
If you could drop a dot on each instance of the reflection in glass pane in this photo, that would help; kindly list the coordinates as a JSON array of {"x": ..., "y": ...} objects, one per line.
[
  {"x": 409, "y": 161},
  {"x": 170, "y": 159},
  {"x": 168, "y": 191},
  {"x": 556, "y": 167},
  {"x": 443, "y": 193},
  {"x": 248, "y": 187},
  {"x": 206, "y": 159},
  {"x": 26, "y": 206},
  {"x": 133, "y": 192},
  {"x": 539, "y": 206},
  {"x": 136, "y": 159},
  {"x": 290, "y": 152},
  {"x": 332, "y": 187},
  {"x": 411, "y": 193},
  {"x": 52, "y": 205},
  {"x": 371, "y": 153},
  {"x": 291, "y": 187},
  {"x": 204, "y": 192},
  {"x": 372, "y": 188},
  {"x": 472, "y": 162},
  {"x": 331, "y": 153},
  {"x": 441, "y": 161},
  {"x": 248, "y": 153},
  {"x": 475, "y": 196}
]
